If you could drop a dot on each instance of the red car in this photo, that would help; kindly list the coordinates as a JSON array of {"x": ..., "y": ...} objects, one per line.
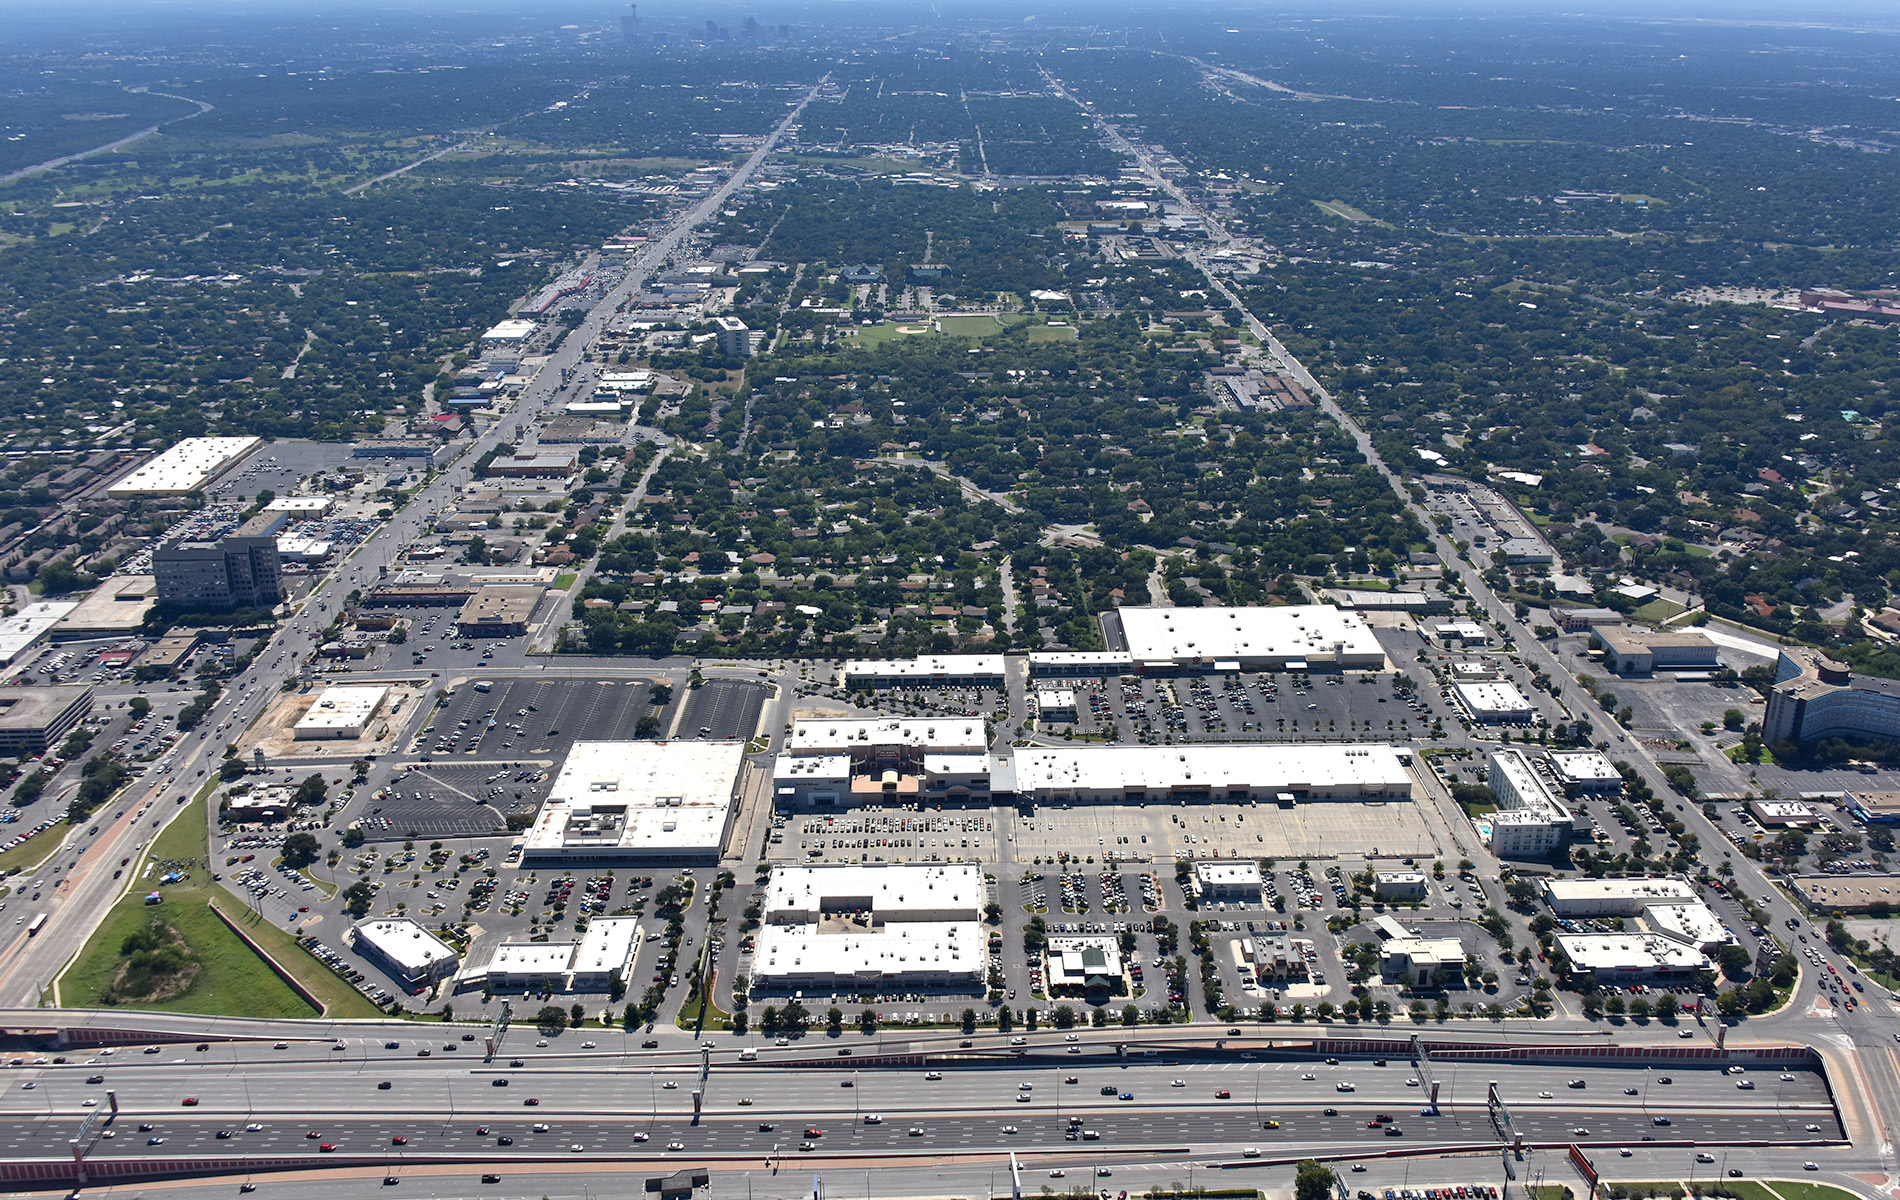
[
  {"x": 327, "y": 1147},
  {"x": 399, "y": 1140},
  {"x": 1223, "y": 1094},
  {"x": 814, "y": 1131},
  {"x": 481, "y": 1130},
  {"x": 190, "y": 1102},
  {"x": 531, "y": 1102},
  {"x": 313, "y": 1134}
]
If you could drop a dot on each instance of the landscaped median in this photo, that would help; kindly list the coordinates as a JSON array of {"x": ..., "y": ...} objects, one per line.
[{"x": 177, "y": 955}]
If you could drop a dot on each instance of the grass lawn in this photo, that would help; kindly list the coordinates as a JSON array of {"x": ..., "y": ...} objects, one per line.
[
  {"x": 1658, "y": 610},
  {"x": 976, "y": 327},
  {"x": 1052, "y": 333},
  {"x": 35, "y": 851},
  {"x": 872, "y": 336},
  {"x": 1801, "y": 1189},
  {"x": 565, "y": 580},
  {"x": 231, "y": 979}
]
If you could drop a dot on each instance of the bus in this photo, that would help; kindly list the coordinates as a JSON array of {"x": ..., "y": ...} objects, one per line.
[{"x": 33, "y": 926}]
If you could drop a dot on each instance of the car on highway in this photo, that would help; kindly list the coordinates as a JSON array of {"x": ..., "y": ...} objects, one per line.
[
  {"x": 933, "y": 1076},
  {"x": 1808, "y": 1166},
  {"x": 1344, "y": 1087},
  {"x": 385, "y": 1085},
  {"x": 155, "y": 1141},
  {"x": 1629, "y": 1091},
  {"x": 1126, "y": 1096},
  {"x": 1223, "y": 1094},
  {"x": 504, "y": 1140},
  {"x": 399, "y": 1140},
  {"x": 1331, "y": 1112},
  {"x": 327, "y": 1148},
  {"x": 1009, "y": 1129},
  {"x": 1177, "y": 1083},
  {"x": 491, "y": 1177},
  {"x": 916, "y": 1131},
  {"x": 531, "y": 1102},
  {"x": 1659, "y": 1120}
]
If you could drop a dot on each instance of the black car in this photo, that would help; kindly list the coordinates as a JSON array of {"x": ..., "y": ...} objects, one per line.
[
  {"x": 504, "y": 1140},
  {"x": 649, "y": 1044},
  {"x": 498, "y": 1083},
  {"x": 491, "y": 1177},
  {"x": 383, "y": 1086}
]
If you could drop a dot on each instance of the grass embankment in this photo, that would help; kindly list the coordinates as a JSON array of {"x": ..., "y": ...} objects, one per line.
[
  {"x": 35, "y": 850},
  {"x": 211, "y": 970}
]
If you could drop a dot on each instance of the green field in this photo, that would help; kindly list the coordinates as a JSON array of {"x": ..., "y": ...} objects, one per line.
[
  {"x": 231, "y": 980},
  {"x": 1658, "y": 610},
  {"x": 1052, "y": 333},
  {"x": 869, "y": 336},
  {"x": 976, "y": 327},
  {"x": 1801, "y": 1189}
]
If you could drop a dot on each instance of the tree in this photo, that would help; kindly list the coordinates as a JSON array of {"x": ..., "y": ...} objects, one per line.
[
  {"x": 1063, "y": 1016},
  {"x": 358, "y": 897},
  {"x": 1312, "y": 1181},
  {"x": 550, "y": 1020},
  {"x": 139, "y": 706},
  {"x": 834, "y": 1019},
  {"x": 230, "y": 769},
  {"x": 1666, "y": 1006},
  {"x": 300, "y": 850},
  {"x": 969, "y": 1020},
  {"x": 354, "y": 837},
  {"x": 867, "y": 1022},
  {"x": 1005, "y": 1020},
  {"x": 312, "y": 790}
]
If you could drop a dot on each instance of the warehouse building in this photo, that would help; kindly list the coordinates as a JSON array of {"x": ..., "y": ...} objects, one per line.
[
  {"x": 1783, "y": 814},
  {"x": 1196, "y": 640},
  {"x": 33, "y": 720},
  {"x": 1284, "y": 774},
  {"x": 1532, "y": 820},
  {"x": 242, "y": 569},
  {"x": 412, "y": 955},
  {"x": 1875, "y": 808},
  {"x": 638, "y": 802},
  {"x": 1631, "y": 651},
  {"x": 1848, "y": 893},
  {"x": 116, "y": 608},
  {"x": 929, "y": 671},
  {"x": 342, "y": 713},
  {"x": 498, "y": 611},
  {"x": 184, "y": 468},
  {"x": 1815, "y": 697}
]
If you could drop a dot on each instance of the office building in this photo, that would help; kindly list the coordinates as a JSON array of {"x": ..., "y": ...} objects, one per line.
[
  {"x": 1585, "y": 772},
  {"x": 242, "y": 569},
  {"x": 498, "y": 611},
  {"x": 1401, "y": 886},
  {"x": 604, "y": 952},
  {"x": 1614, "y": 897},
  {"x": 1494, "y": 702},
  {"x": 1631, "y": 957},
  {"x": 734, "y": 338},
  {"x": 1815, "y": 697},
  {"x": 1630, "y": 651},
  {"x": 34, "y": 720},
  {"x": 1532, "y": 820}
]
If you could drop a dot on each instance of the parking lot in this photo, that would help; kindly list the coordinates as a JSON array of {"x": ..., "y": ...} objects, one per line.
[
  {"x": 1293, "y": 706},
  {"x": 281, "y": 466},
  {"x": 521, "y": 718},
  {"x": 1165, "y": 831},
  {"x": 723, "y": 710}
]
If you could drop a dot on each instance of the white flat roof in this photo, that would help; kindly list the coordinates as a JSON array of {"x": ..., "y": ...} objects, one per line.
[
  {"x": 1229, "y": 873},
  {"x": 185, "y": 467},
  {"x": 812, "y": 767},
  {"x": 837, "y": 735},
  {"x": 301, "y": 504},
  {"x": 1258, "y": 767},
  {"x": 1055, "y": 698},
  {"x": 888, "y": 889},
  {"x": 1427, "y": 951},
  {"x": 1583, "y": 766},
  {"x": 531, "y": 958},
  {"x": 1636, "y": 891},
  {"x": 1693, "y": 924},
  {"x": 909, "y": 949},
  {"x": 639, "y": 797},
  {"x": 403, "y": 941},
  {"x": 1315, "y": 632},
  {"x": 1783, "y": 810},
  {"x": 608, "y": 945},
  {"x": 930, "y": 666},
  {"x": 29, "y": 625},
  {"x": 510, "y": 331},
  {"x": 1492, "y": 698},
  {"x": 344, "y": 707},
  {"x": 1629, "y": 953}
]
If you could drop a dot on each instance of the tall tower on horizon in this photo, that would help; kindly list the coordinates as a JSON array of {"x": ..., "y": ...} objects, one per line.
[{"x": 630, "y": 26}]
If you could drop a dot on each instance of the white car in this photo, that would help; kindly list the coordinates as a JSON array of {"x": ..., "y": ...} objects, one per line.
[
  {"x": 676, "y": 1145},
  {"x": 873, "y": 1119},
  {"x": 1057, "y": 1173},
  {"x": 1808, "y": 1166},
  {"x": 669, "y": 1086},
  {"x": 1009, "y": 1129},
  {"x": 1177, "y": 1083},
  {"x": 641, "y": 1136}
]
